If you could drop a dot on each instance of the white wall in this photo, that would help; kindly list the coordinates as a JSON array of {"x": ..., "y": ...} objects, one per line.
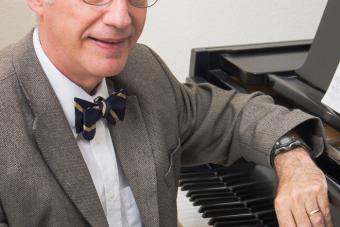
[
  {"x": 15, "y": 20},
  {"x": 175, "y": 26}
]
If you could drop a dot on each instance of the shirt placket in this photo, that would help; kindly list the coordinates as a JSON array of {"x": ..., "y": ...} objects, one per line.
[{"x": 107, "y": 162}]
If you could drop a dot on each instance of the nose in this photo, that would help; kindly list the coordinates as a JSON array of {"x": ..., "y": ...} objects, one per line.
[{"x": 117, "y": 14}]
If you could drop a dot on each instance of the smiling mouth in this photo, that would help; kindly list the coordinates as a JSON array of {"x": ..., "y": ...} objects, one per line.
[{"x": 108, "y": 43}]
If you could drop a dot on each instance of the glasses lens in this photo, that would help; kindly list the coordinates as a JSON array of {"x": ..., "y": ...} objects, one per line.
[
  {"x": 135, "y": 3},
  {"x": 142, "y": 3}
]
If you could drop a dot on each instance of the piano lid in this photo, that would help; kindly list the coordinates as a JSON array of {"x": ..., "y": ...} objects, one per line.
[{"x": 324, "y": 55}]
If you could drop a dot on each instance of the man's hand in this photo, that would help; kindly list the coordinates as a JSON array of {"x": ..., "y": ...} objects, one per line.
[{"x": 302, "y": 198}]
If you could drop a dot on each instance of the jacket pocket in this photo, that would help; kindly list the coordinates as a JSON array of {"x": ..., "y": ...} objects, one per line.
[{"x": 171, "y": 174}]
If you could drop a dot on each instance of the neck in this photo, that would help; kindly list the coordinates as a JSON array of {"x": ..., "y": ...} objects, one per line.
[{"x": 89, "y": 85}]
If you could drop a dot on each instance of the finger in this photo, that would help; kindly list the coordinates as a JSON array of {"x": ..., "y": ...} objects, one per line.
[
  {"x": 323, "y": 203},
  {"x": 299, "y": 211},
  {"x": 314, "y": 213},
  {"x": 317, "y": 219},
  {"x": 283, "y": 214},
  {"x": 300, "y": 216}
]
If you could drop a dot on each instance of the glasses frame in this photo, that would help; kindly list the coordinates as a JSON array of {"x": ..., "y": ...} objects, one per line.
[{"x": 109, "y": 1}]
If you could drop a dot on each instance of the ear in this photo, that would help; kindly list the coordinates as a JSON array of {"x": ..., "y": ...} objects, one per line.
[{"x": 37, "y": 6}]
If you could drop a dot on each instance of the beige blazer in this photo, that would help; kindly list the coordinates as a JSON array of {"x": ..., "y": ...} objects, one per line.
[{"x": 44, "y": 180}]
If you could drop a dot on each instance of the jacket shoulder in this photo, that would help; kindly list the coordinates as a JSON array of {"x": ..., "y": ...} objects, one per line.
[{"x": 6, "y": 63}]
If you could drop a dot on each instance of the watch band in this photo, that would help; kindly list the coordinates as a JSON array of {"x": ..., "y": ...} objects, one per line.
[{"x": 286, "y": 143}]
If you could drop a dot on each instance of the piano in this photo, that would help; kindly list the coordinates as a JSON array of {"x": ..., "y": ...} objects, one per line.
[{"x": 296, "y": 74}]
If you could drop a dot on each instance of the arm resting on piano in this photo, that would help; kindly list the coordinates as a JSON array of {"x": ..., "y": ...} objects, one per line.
[{"x": 219, "y": 126}]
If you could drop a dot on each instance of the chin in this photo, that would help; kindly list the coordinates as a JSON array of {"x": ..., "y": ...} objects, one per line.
[
  {"x": 108, "y": 71},
  {"x": 107, "y": 68}
]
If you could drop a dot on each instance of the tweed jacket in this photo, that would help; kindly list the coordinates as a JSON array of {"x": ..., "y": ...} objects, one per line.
[{"x": 44, "y": 180}]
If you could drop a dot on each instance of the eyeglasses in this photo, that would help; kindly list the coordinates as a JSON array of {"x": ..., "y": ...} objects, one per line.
[{"x": 135, "y": 3}]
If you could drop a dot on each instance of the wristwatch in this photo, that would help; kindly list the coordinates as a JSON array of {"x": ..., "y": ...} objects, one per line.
[{"x": 286, "y": 143}]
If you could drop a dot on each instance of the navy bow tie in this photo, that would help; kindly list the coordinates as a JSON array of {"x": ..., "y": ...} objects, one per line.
[{"x": 88, "y": 113}]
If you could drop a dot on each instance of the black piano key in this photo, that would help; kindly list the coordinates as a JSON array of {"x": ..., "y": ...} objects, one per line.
[
  {"x": 247, "y": 184},
  {"x": 256, "y": 187},
  {"x": 197, "y": 174},
  {"x": 264, "y": 203},
  {"x": 191, "y": 186},
  {"x": 272, "y": 225},
  {"x": 265, "y": 215},
  {"x": 253, "y": 195},
  {"x": 235, "y": 217},
  {"x": 224, "y": 211},
  {"x": 271, "y": 222},
  {"x": 195, "y": 168},
  {"x": 199, "y": 190},
  {"x": 236, "y": 204},
  {"x": 229, "y": 224},
  {"x": 240, "y": 167},
  {"x": 236, "y": 180},
  {"x": 198, "y": 180},
  {"x": 237, "y": 225},
  {"x": 215, "y": 200},
  {"x": 250, "y": 190},
  {"x": 210, "y": 194},
  {"x": 233, "y": 175}
]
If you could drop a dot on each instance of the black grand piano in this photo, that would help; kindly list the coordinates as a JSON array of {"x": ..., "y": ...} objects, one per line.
[{"x": 297, "y": 74}]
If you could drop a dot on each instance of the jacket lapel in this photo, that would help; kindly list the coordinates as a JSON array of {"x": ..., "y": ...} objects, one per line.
[
  {"x": 54, "y": 136},
  {"x": 132, "y": 145}
]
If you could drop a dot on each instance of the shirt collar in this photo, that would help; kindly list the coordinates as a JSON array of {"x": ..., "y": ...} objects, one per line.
[{"x": 64, "y": 88}]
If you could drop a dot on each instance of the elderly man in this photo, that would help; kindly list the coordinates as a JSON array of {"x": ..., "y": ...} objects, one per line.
[{"x": 95, "y": 127}]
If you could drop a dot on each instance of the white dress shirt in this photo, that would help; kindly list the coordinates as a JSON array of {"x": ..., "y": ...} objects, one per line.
[{"x": 99, "y": 155}]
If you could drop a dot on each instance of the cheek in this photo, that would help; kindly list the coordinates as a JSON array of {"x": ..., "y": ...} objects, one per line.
[{"x": 139, "y": 21}]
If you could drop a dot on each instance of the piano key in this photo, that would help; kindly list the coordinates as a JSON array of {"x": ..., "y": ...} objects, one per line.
[
  {"x": 203, "y": 190},
  {"x": 196, "y": 174},
  {"x": 214, "y": 200},
  {"x": 221, "y": 205},
  {"x": 209, "y": 194},
  {"x": 231, "y": 196},
  {"x": 191, "y": 186},
  {"x": 223, "y": 211},
  {"x": 242, "y": 218},
  {"x": 188, "y": 214},
  {"x": 198, "y": 179}
]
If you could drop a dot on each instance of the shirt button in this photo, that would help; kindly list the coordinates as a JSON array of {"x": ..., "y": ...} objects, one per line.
[
  {"x": 97, "y": 139},
  {"x": 111, "y": 195}
]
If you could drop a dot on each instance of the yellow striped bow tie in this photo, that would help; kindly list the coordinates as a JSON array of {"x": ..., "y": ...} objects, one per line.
[{"x": 88, "y": 113}]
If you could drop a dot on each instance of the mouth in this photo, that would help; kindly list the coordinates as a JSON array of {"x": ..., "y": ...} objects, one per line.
[{"x": 109, "y": 43}]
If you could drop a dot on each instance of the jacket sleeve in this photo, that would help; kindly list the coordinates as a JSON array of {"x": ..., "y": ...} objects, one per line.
[{"x": 221, "y": 126}]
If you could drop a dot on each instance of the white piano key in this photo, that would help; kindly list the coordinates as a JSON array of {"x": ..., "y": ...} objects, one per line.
[{"x": 188, "y": 214}]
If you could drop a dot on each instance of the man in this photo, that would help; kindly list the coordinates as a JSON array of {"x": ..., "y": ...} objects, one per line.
[{"x": 54, "y": 172}]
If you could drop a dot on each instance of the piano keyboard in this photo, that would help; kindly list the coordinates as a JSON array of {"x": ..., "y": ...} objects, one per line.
[
  {"x": 239, "y": 195},
  {"x": 188, "y": 214}
]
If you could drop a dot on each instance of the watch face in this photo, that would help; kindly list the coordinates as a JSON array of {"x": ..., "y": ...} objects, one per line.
[{"x": 286, "y": 140}]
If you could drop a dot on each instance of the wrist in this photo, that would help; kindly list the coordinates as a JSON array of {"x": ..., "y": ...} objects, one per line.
[{"x": 292, "y": 158}]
